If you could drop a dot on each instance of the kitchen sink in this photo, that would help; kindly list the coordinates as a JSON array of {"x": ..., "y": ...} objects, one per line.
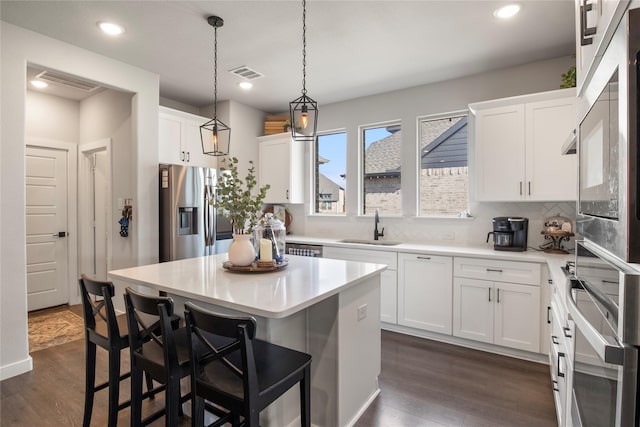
[{"x": 370, "y": 242}]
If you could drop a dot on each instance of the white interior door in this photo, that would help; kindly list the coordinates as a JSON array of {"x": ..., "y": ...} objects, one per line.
[
  {"x": 101, "y": 217},
  {"x": 46, "y": 227}
]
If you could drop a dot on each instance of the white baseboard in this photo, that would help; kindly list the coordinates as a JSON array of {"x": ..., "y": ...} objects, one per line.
[
  {"x": 16, "y": 368},
  {"x": 364, "y": 407}
]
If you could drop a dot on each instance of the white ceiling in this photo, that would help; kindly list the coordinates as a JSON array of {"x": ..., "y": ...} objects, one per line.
[{"x": 354, "y": 48}]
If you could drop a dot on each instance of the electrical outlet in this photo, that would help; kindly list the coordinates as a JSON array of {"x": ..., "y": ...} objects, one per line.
[
  {"x": 362, "y": 312},
  {"x": 448, "y": 235}
]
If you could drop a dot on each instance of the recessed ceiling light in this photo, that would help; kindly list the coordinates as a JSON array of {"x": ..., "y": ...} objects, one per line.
[
  {"x": 39, "y": 84},
  {"x": 245, "y": 85},
  {"x": 508, "y": 11},
  {"x": 110, "y": 28}
]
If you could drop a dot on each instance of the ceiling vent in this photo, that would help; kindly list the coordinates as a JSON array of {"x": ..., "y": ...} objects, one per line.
[
  {"x": 65, "y": 80},
  {"x": 246, "y": 73}
]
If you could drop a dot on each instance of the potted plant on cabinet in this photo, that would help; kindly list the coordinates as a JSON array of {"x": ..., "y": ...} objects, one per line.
[{"x": 236, "y": 201}]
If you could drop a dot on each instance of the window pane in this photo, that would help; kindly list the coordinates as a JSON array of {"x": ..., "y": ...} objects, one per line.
[
  {"x": 330, "y": 173},
  {"x": 381, "y": 183},
  {"x": 444, "y": 173}
]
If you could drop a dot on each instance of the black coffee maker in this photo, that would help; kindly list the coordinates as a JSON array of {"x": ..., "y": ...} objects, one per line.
[{"x": 509, "y": 233}]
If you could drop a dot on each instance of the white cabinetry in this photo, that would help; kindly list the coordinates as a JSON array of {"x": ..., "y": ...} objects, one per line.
[
  {"x": 388, "y": 278},
  {"x": 425, "y": 292},
  {"x": 497, "y": 302},
  {"x": 179, "y": 139},
  {"x": 281, "y": 165},
  {"x": 596, "y": 21},
  {"x": 517, "y": 148}
]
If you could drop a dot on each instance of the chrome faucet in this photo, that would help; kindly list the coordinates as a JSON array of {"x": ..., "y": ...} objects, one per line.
[{"x": 376, "y": 233}]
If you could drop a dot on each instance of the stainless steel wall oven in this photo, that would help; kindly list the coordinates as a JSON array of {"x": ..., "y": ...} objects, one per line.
[
  {"x": 608, "y": 209},
  {"x": 604, "y": 304}
]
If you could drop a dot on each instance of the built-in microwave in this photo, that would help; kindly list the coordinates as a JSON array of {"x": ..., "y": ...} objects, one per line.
[{"x": 608, "y": 210}]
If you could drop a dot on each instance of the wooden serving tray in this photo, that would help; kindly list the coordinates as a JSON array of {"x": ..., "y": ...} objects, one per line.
[{"x": 254, "y": 268}]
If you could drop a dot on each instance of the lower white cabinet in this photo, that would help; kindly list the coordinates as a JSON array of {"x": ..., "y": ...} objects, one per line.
[
  {"x": 388, "y": 278},
  {"x": 425, "y": 292},
  {"x": 501, "y": 313}
]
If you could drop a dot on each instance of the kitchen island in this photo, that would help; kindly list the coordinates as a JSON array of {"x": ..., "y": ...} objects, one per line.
[{"x": 327, "y": 308}]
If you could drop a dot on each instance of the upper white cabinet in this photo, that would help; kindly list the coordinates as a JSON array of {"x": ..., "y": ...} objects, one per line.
[
  {"x": 596, "y": 21},
  {"x": 281, "y": 165},
  {"x": 388, "y": 278},
  {"x": 425, "y": 292},
  {"x": 517, "y": 148},
  {"x": 179, "y": 139}
]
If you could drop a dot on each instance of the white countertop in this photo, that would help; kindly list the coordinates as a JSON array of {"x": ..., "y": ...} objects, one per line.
[
  {"x": 467, "y": 251},
  {"x": 304, "y": 282}
]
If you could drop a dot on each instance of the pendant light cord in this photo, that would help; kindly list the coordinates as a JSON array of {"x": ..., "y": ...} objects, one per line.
[
  {"x": 304, "y": 47},
  {"x": 215, "y": 75}
]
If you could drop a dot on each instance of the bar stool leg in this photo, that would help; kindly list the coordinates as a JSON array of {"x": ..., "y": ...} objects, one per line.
[
  {"x": 114, "y": 385},
  {"x": 305, "y": 398},
  {"x": 90, "y": 379},
  {"x": 136, "y": 397},
  {"x": 172, "y": 403}
]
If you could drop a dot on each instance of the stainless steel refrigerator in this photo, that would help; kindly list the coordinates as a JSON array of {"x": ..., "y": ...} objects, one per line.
[{"x": 188, "y": 223}]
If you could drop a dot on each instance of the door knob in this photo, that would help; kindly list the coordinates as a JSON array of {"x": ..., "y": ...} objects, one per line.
[{"x": 60, "y": 234}]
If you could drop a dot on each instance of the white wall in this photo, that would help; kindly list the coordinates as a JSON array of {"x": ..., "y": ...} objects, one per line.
[
  {"x": 51, "y": 117},
  {"x": 20, "y": 47},
  {"x": 406, "y": 105},
  {"x": 108, "y": 115}
]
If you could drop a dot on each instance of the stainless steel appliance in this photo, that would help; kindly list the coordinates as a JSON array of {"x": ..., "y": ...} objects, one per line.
[
  {"x": 509, "y": 233},
  {"x": 608, "y": 210},
  {"x": 604, "y": 304},
  {"x": 188, "y": 223}
]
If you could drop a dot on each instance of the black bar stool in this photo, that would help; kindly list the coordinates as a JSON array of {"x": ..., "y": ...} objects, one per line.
[
  {"x": 159, "y": 348},
  {"x": 104, "y": 329},
  {"x": 242, "y": 373}
]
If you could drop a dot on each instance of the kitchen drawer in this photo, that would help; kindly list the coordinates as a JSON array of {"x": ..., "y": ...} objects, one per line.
[
  {"x": 497, "y": 271},
  {"x": 362, "y": 255}
]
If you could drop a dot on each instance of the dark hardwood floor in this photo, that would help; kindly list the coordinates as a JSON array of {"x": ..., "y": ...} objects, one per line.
[{"x": 423, "y": 383}]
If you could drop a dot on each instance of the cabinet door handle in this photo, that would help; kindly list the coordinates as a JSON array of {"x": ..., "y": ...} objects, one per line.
[
  {"x": 586, "y": 33},
  {"x": 495, "y": 270},
  {"x": 554, "y": 339},
  {"x": 550, "y": 281},
  {"x": 424, "y": 257},
  {"x": 287, "y": 195},
  {"x": 529, "y": 183},
  {"x": 188, "y": 156},
  {"x": 560, "y": 374},
  {"x": 489, "y": 294},
  {"x": 555, "y": 385},
  {"x": 521, "y": 188},
  {"x": 549, "y": 315},
  {"x": 566, "y": 331},
  {"x": 182, "y": 156},
  {"x": 498, "y": 295}
]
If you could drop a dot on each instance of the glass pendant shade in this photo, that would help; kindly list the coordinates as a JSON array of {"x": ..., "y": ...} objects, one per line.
[
  {"x": 304, "y": 118},
  {"x": 215, "y": 137}
]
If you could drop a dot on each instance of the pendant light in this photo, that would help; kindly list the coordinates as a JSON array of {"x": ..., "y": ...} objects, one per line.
[
  {"x": 304, "y": 110},
  {"x": 215, "y": 135}
]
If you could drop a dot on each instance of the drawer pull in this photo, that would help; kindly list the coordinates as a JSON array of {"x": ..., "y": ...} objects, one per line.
[
  {"x": 549, "y": 315},
  {"x": 424, "y": 257},
  {"x": 495, "y": 270},
  {"x": 550, "y": 281},
  {"x": 555, "y": 385},
  {"x": 560, "y": 374},
  {"x": 498, "y": 295},
  {"x": 566, "y": 331},
  {"x": 554, "y": 339},
  {"x": 489, "y": 294}
]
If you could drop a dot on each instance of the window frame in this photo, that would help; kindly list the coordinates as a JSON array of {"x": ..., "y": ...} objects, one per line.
[
  {"x": 361, "y": 160},
  {"x": 418, "y": 150},
  {"x": 314, "y": 174}
]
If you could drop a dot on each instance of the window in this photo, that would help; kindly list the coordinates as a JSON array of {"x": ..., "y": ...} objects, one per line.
[
  {"x": 330, "y": 173},
  {"x": 381, "y": 166},
  {"x": 443, "y": 167}
]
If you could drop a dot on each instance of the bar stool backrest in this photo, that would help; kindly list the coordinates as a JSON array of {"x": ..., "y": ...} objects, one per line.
[{"x": 98, "y": 307}]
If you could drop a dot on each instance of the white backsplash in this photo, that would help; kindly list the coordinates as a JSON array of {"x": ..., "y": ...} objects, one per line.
[{"x": 454, "y": 232}]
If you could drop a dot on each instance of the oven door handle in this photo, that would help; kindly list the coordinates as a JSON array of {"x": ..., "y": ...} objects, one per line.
[{"x": 607, "y": 348}]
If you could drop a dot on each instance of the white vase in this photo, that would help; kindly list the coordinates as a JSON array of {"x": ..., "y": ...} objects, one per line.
[{"x": 241, "y": 251}]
